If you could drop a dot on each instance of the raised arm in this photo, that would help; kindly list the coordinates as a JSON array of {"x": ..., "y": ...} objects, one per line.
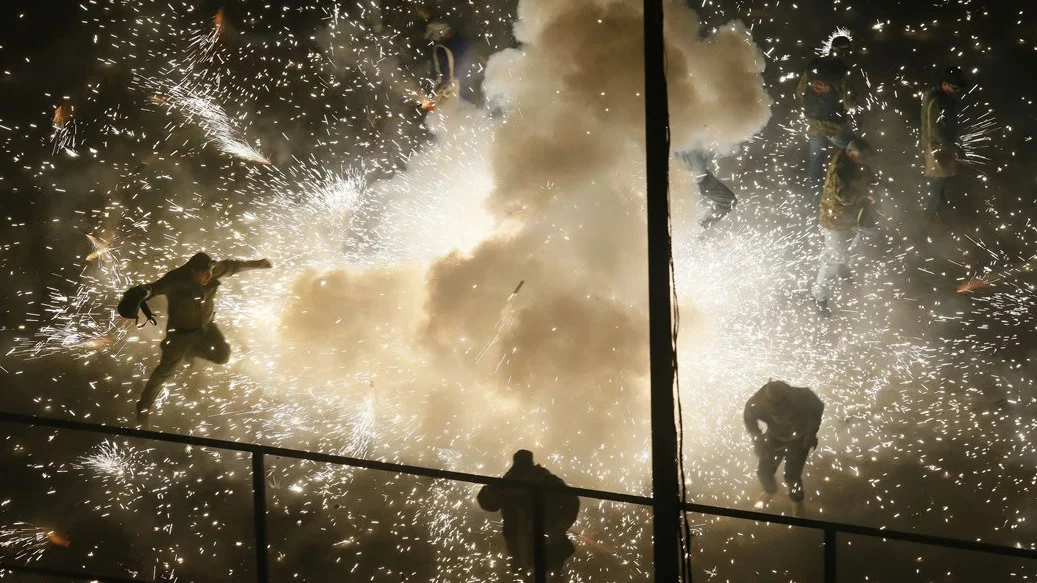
[{"x": 229, "y": 267}]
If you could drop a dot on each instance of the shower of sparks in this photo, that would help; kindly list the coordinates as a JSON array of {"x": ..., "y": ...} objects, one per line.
[
  {"x": 26, "y": 542},
  {"x": 200, "y": 108},
  {"x": 119, "y": 463},
  {"x": 826, "y": 47},
  {"x": 507, "y": 317},
  {"x": 979, "y": 127},
  {"x": 371, "y": 185}
]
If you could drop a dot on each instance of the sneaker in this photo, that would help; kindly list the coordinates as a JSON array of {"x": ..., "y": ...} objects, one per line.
[{"x": 796, "y": 492}]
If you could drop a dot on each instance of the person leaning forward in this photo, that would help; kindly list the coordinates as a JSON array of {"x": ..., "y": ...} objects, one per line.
[{"x": 191, "y": 331}]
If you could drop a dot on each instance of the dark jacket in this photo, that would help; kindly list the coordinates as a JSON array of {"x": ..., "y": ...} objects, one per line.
[
  {"x": 191, "y": 306},
  {"x": 790, "y": 413},
  {"x": 825, "y": 94},
  {"x": 516, "y": 508}
]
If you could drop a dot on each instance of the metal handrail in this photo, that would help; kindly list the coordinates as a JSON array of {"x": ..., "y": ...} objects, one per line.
[{"x": 259, "y": 452}]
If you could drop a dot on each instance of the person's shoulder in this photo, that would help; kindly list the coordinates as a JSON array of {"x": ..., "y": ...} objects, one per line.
[
  {"x": 175, "y": 276},
  {"x": 808, "y": 394}
]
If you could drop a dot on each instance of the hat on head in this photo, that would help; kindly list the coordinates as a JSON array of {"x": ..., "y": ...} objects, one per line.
[
  {"x": 841, "y": 43},
  {"x": 199, "y": 262}
]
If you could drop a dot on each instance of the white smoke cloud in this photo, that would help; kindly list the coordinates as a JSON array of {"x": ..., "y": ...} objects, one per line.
[{"x": 548, "y": 192}]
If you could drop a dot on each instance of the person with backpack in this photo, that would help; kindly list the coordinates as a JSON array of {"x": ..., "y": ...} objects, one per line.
[{"x": 191, "y": 331}]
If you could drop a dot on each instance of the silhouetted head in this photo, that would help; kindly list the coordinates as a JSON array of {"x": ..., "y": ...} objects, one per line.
[
  {"x": 953, "y": 81},
  {"x": 776, "y": 390},
  {"x": 859, "y": 151},
  {"x": 778, "y": 395},
  {"x": 842, "y": 48},
  {"x": 523, "y": 458},
  {"x": 200, "y": 268}
]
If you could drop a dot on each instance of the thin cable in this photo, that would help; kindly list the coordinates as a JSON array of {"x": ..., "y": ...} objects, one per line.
[{"x": 685, "y": 534}]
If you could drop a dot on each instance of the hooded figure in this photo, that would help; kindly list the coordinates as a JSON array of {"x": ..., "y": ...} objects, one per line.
[
  {"x": 940, "y": 135},
  {"x": 793, "y": 416},
  {"x": 825, "y": 94},
  {"x": 516, "y": 508},
  {"x": 190, "y": 291}
]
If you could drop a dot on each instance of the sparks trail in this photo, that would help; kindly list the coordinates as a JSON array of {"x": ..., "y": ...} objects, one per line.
[
  {"x": 198, "y": 107},
  {"x": 978, "y": 130},
  {"x": 507, "y": 316},
  {"x": 27, "y": 542}
]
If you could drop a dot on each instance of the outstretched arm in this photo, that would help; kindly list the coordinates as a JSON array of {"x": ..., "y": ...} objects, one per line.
[{"x": 229, "y": 267}]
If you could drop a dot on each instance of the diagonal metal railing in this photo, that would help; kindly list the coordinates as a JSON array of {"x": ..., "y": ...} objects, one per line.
[{"x": 831, "y": 530}]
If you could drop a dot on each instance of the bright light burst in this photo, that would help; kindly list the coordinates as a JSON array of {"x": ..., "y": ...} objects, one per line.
[{"x": 27, "y": 542}]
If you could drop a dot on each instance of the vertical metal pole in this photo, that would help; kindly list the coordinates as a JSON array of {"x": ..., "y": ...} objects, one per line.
[
  {"x": 259, "y": 517},
  {"x": 830, "y": 555},
  {"x": 666, "y": 506},
  {"x": 539, "y": 542}
]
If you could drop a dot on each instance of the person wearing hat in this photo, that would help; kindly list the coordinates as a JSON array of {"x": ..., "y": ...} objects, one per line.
[
  {"x": 516, "y": 508},
  {"x": 847, "y": 211},
  {"x": 825, "y": 94},
  {"x": 792, "y": 416},
  {"x": 940, "y": 136},
  {"x": 190, "y": 330}
]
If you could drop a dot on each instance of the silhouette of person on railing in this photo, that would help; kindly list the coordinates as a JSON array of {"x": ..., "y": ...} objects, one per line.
[{"x": 517, "y": 512}]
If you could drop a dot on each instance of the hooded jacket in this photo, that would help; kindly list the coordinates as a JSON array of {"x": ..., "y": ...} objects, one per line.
[{"x": 791, "y": 413}]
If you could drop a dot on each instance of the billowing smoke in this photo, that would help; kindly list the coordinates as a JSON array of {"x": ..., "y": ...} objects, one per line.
[{"x": 565, "y": 158}]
